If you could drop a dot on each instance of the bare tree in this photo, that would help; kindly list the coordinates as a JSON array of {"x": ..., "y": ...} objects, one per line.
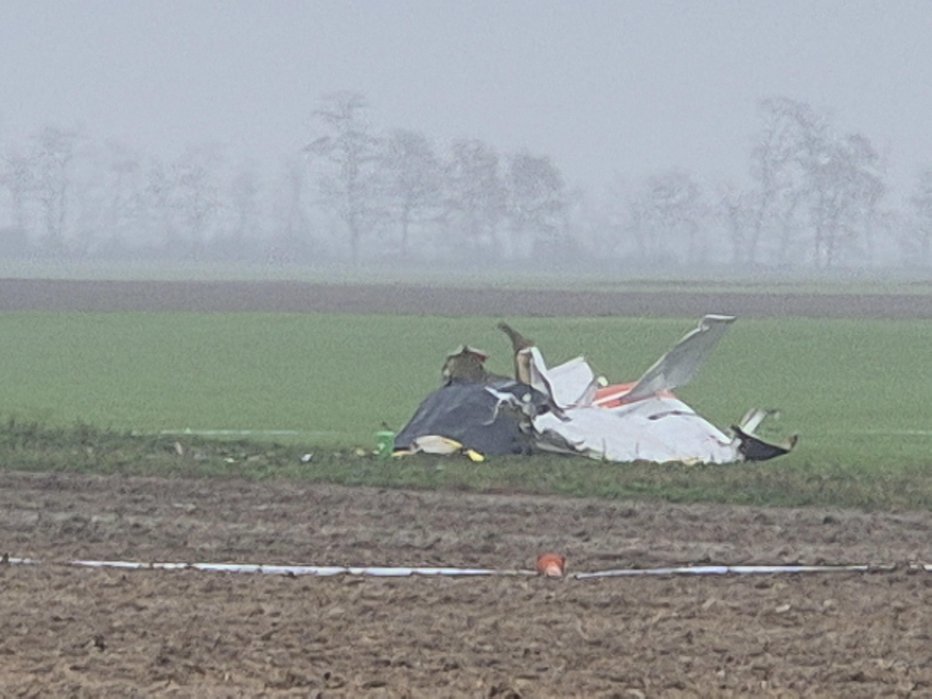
[
  {"x": 53, "y": 154},
  {"x": 738, "y": 211},
  {"x": 293, "y": 228},
  {"x": 917, "y": 242},
  {"x": 238, "y": 221},
  {"x": 182, "y": 200},
  {"x": 413, "y": 181},
  {"x": 124, "y": 202},
  {"x": 347, "y": 158},
  {"x": 845, "y": 189},
  {"x": 474, "y": 199},
  {"x": 791, "y": 136},
  {"x": 537, "y": 200},
  {"x": 197, "y": 194},
  {"x": 808, "y": 178},
  {"x": 244, "y": 199},
  {"x": 161, "y": 204},
  {"x": 667, "y": 209},
  {"x": 18, "y": 178}
]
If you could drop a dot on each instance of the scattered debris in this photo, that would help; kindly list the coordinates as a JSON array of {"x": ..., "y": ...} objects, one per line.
[{"x": 569, "y": 409}]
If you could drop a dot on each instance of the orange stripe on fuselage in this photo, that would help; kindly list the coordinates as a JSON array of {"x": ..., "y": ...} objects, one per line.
[{"x": 614, "y": 395}]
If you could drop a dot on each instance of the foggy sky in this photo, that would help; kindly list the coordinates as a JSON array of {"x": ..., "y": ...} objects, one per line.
[{"x": 626, "y": 87}]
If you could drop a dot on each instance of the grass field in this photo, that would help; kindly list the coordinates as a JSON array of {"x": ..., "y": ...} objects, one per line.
[{"x": 857, "y": 391}]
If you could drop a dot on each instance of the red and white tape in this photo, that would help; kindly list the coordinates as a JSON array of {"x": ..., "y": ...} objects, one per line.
[{"x": 443, "y": 571}]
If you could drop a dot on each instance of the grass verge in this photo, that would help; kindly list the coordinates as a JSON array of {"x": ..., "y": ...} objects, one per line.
[{"x": 31, "y": 446}]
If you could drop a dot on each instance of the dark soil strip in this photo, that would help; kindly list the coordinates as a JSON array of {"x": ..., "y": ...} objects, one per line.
[{"x": 299, "y": 297}]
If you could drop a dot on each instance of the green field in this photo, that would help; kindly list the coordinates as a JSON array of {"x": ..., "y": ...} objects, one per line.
[{"x": 858, "y": 392}]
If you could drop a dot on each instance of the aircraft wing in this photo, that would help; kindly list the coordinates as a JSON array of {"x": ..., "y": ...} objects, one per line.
[{"x": 681, "y": 364}]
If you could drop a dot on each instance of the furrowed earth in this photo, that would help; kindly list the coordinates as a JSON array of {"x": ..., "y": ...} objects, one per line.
[{"x": 69, "y": 631}]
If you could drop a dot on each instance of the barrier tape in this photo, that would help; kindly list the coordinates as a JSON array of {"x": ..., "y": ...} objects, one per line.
[{"x": 408, "y": 571}]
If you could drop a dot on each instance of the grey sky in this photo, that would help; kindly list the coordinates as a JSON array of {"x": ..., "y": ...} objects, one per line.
[{"x": 631, "y": 87}]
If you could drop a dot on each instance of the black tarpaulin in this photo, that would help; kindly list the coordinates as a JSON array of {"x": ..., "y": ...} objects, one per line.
[{"x": 485, "y": 417}]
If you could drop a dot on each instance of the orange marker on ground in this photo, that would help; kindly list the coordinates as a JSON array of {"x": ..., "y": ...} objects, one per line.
[{"x": 551, "y": 565}]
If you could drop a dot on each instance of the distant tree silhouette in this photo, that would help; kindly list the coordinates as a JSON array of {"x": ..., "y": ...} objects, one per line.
[
  {"x": 346, "y": 157},
  {"x": 413, "y": 184},
  {"x": 814, "y": 187},
  {"x": 474, "y": 195},
  {"x": 664, "y": 214},
  {"x": 918, "y": 240},
  {"x": 537, "y": 200},
  {"x": 54, "y": 151}
]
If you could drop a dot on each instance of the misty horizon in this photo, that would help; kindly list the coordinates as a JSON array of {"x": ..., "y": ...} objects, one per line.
[{"x": 617, "y": 104}]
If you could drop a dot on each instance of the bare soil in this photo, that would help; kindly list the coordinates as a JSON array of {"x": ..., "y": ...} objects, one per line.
[
  {"x": 67, "y": 631},
  {"x": 303, "y": 297}
]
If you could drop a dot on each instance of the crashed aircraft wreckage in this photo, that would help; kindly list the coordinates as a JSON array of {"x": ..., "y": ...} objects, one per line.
[{"x": 568, "y": 409}]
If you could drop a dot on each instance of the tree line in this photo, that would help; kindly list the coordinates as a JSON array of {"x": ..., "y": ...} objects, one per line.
[{"x": 815, "y": 198}]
